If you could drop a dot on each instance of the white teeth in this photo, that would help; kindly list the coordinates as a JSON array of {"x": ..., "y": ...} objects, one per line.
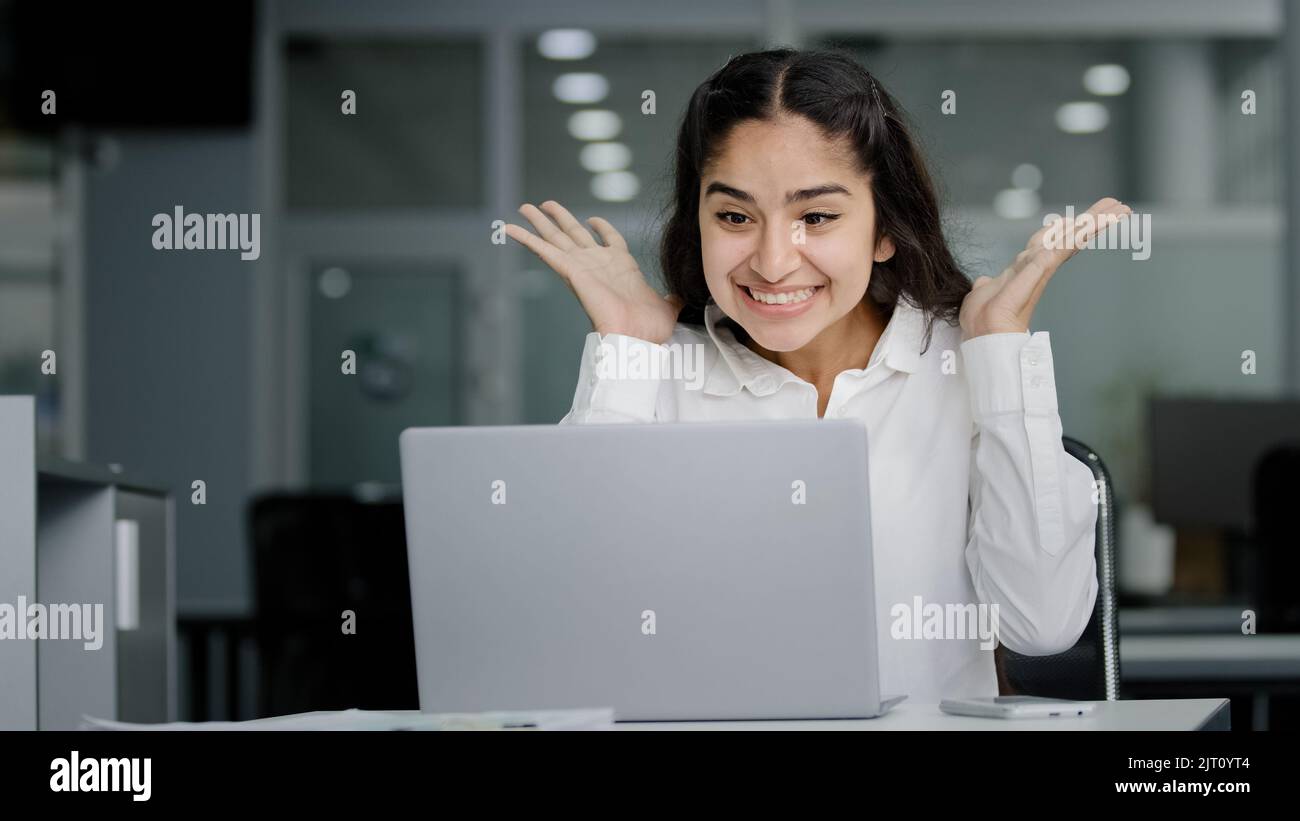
[{"x": 782, "y": 298}]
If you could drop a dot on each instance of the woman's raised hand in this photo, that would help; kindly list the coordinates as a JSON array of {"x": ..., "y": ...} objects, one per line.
[
  {"x": 1005, "y": 303},
  {"x": 605, "y": 278}
]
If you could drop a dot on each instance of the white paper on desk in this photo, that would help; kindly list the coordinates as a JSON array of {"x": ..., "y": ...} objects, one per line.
[{"x": 587, "y": 719}]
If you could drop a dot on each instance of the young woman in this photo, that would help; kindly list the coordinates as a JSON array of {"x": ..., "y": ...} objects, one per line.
[{"x": 804, "y": 256}]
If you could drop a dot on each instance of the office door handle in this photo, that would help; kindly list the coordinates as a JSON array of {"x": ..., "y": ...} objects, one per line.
[{"x": 126, "y": 541}]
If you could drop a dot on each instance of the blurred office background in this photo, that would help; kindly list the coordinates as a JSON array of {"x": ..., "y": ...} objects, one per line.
[{"x": 376, "y": 237}]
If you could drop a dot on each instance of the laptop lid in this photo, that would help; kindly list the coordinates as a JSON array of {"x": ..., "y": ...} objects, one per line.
[{"x": 673, "y": 572}]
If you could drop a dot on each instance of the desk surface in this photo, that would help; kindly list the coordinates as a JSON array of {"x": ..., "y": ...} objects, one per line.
[{"x": 1155, "y": 714}]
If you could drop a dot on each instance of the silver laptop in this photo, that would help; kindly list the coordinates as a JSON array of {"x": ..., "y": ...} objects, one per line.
[{"x": 692, "y": 571}]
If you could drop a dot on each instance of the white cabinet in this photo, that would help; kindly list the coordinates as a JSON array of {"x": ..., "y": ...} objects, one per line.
[{"x": 89, "y": 555}]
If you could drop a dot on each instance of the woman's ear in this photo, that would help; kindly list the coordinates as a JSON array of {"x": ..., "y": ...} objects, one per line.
[{"x": 884, "y": 249}]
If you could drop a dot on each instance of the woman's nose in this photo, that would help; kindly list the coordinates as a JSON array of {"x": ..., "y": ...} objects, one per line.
[{"x": 777, "y": 254}]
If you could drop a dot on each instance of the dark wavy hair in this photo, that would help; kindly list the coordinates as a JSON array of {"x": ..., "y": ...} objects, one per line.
[{"x": 834, "y": 91}]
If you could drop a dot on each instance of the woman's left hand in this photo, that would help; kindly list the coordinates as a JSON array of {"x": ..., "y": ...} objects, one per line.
[{"x": 1005, "y": 303}]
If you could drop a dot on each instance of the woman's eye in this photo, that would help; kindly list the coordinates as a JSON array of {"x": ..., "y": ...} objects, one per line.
[
  {"x": 822, "y": 218},
  {"x": 814, "y": 219}
]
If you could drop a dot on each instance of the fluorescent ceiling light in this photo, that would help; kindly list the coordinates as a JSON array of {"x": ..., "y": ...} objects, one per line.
[
  {"x": 583, "y": 88},
  {"x": 615, "y": 186},
  {"x": 1082, "y": 118},
  {"x": 566, "y": 44},
  {"x": 1106, "y": 80},
  {"x": 1027, "y": 175},
  {"x": 599, "y": 157},
  {"x": 335, "y": 283},
  {"x": 595, "y": 124},
  {"x": 1016, "y": 203}
]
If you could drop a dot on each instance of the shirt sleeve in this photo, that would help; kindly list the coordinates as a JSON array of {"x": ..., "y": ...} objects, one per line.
[
  {"x": 619, "y": 380},
  {"x": 1031, "y": 542}
]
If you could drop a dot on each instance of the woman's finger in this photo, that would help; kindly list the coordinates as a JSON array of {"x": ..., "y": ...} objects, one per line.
[
  {"x": 1028, "y": 281},
  {"x": 1068, "y": 237},
  {"x": 549, "y": 231},
  {"x": 1103, "y": 213},
  {"x": 1101, "y": 220},
  {"x": 607, "y": 232},
  {"x": 569, "y": 224},
  {"x": 544, "y": 250},
  {"x": 1031, "y": 275}
]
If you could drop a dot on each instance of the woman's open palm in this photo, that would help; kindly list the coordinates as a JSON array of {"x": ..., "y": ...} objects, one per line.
[
  {"x": 1005, "y": 303},
  {"x": 605, "y": 278}
]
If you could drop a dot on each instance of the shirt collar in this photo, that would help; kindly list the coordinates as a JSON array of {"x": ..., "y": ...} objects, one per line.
[{"x": 899, "y": 348}]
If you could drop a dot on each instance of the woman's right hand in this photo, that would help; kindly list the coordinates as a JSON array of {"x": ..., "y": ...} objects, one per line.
[{"x": 605, "y": 278}]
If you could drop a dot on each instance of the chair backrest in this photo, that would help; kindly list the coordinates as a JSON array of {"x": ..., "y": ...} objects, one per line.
[
  {"x": 1090, "y": 669},
  {"x": 318, "y": 556},
  {"x": 1275, "y": 487}
]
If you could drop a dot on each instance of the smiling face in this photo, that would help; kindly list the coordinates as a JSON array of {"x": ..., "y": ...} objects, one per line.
[{"x": 787, "y": 227}]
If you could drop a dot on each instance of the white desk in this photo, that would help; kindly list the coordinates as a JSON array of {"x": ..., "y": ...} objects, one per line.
[
  {"x": 1262, "y": 663},
  {"x": 1156, "y": 714}
]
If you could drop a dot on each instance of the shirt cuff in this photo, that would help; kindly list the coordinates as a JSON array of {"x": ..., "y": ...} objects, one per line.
[
  {"x": 1010, "y": 373},
  {"x": 620, "y": 375}
]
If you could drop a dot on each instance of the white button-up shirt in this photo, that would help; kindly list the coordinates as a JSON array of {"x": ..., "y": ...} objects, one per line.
[{"x": 973, "y": 497}]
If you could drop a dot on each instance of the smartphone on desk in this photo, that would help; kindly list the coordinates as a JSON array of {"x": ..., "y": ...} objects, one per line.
[{"x": 1016, "y": 707}]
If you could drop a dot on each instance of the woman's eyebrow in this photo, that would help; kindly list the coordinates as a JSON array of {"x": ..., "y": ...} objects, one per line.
[
  {"x": 815, "y": 192},
  {"x": 716, "y": 187},
  {"x": 801, "y": 195}
]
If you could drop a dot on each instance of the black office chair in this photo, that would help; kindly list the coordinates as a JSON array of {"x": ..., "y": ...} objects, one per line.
[
  {"x": 1089, "y": 670},
  {"x": 315, "y": 556},
  {"x": 1275, "y": 486}
]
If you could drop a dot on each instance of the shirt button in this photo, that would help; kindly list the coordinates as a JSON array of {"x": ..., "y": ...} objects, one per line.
[
  {"x": 1036, "y": 381},
  {"x": 1033, "y": 360},
  {"x": 842, "y": 411},
  {"x": 763, "y": 384}
]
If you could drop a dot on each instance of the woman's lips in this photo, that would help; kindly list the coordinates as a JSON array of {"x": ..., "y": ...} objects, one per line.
[{"x": 786, "y": 311}]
